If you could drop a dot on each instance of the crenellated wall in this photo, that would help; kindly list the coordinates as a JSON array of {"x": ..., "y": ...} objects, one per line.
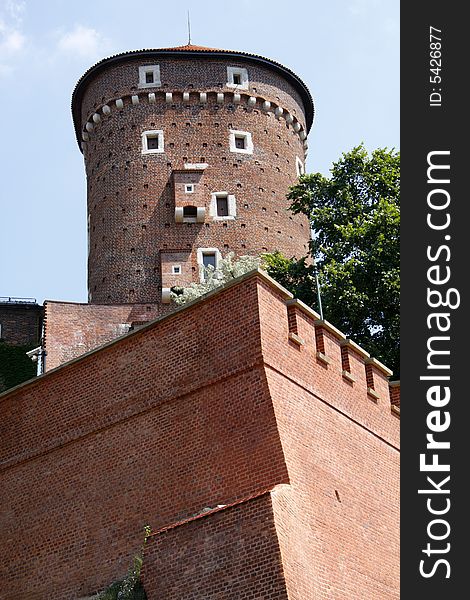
[{"x": 212, "y": 404}]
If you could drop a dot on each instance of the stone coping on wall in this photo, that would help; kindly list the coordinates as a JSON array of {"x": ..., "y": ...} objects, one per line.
[{"x": 371, "y": 364}]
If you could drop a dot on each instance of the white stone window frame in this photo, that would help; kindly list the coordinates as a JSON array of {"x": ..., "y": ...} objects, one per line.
[
  {"x": 299, "y": 166},
  {"x": 244, "y": 81},
  {"x": 143, "y": 70},
  {"x": 153, "y": 133},
  {"x": 231, "y": 204},
  {"x": 200, "y": 260},
  {"x": 176, "y": 270},
  {"x": 189, "y": 188},
  {"x": 248, "y": 149}
]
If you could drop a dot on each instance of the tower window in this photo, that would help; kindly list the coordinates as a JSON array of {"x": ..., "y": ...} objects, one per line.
[
  {"x": 189, "y": 213},
  {"x": 152, "y": 142},
  {"x": 149, "y": 76},
  {"x": 189, "y": 188},
  {"x": 176, "y": 269},
  {"x": 222, "y": 206},
  {"x": 237, "y": 77},
  {"x": 240, "y": 141},
  {"x": 207, "y": 257}
]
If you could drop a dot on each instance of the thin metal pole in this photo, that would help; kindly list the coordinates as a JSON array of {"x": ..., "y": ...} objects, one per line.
[
  {"x": 189, "y": 29},
  {"x": 317, "y": 282}
]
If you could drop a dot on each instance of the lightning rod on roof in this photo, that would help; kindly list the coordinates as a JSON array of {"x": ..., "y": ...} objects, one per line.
[{"x": 189, "y": 29}]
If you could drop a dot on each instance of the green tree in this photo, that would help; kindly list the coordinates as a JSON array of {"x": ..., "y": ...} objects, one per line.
[
  {"x": 129, "y": 588},
  {"x": 355, "y": 219}
]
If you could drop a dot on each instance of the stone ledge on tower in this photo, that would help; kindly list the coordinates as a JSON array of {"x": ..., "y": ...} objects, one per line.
[
  {"x": 189, "y": 194},
  {"x": 176, "y": 269}
]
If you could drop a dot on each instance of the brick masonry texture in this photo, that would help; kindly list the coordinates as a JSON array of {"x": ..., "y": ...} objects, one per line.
[
  {"x": 21, "y": 323},
  {"x": 208, "y": 405},
  {"x": 72, "y": 329},
  {"x": 233, "y": 553},
  {"x": 131, "y": 196}
]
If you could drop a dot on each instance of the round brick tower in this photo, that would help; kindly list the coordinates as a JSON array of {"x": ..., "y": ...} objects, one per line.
[{"x": 189, "y": 153}]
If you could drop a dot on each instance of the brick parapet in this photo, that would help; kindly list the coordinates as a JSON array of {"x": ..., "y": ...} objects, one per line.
[
  {"x": 204, "y": 406},
  {"x": 324, "y": 375},
  {"x": 20, "y": 323},
  {"x": 73, "y": 329},
  {"x": 276, "y": 347}
]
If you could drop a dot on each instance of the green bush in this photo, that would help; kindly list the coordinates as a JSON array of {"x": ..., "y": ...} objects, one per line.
[{"x": 15, "y": 366}]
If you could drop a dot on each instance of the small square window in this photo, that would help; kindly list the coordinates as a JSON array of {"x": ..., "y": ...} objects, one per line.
[
  {"x": 176, "y": 269},
  {"x": 152, "y": 142},
  {"x": 189, "y": 188},
  {"x": 222, "y": 206},
  {"x": 149, "y": 76},
  {"x": 237, "y": 77},
  {"x": 240, "y": 141},
  {"x": 207, "y": 258}
]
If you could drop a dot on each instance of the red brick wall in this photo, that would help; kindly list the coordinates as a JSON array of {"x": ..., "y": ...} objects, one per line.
[
  {"x": 206, "y": 406},
  {"x": 21, "y": 323},
  {"x": 73, "y": 329},
  {"x": 342, "y": 506},
  {"x": 233, "y": 553},
  {"x": 150, "y": 429},
  {"x": 341, "y": 449},
  {"x": 131, "y": 200}
]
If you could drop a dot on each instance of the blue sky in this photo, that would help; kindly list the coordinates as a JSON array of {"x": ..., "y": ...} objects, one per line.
[{"x": 346, "y": 51}]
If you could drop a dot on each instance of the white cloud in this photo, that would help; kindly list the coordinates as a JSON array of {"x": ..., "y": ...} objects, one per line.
[
  {"x": 83, "y": 42},
  {"x": 12, "y": 42},
  {"x": 362, "y": 7},
  {"x": 15, "y": 9}
]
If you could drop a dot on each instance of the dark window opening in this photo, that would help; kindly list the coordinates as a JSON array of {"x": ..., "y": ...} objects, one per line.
[
  {"x": 189, "y": 212},
  {"x": 209, "y": 259},
  {"x": 240, "y": 142},
  {"x": 222, "y": 206},
  {"x": 237, "y": 79},
  {"x": 152, "y": 143},
  {"x": 149, "y": 77}
]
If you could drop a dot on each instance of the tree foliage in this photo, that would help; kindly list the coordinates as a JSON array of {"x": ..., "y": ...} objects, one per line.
[
  {"x": 355, "y": 218},
  {"x": 15, "y": 366},
  {"x": 129, "y": 588}
]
